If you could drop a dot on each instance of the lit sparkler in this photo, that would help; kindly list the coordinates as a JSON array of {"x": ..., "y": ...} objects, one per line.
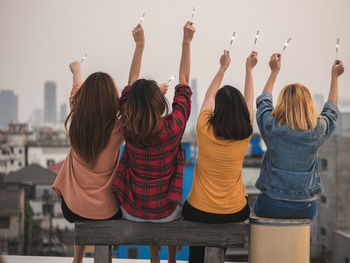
[
  {"x": 256, "y": 39},
  {"x": 171, "y": 78},
  {"x": 232, "y": 39},
  {"x": 337, "y": 48},
  {"x": 286, "y": 44},
  {"x": 142, "y": 17},
  {"x": 83, "y": 58}
]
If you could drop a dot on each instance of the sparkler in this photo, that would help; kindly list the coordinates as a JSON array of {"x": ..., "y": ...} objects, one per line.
[
  {"x": 83, "y": 58},
  {"x": 232, "y": 39},
  {"x": 142, "y": 17},
  {"x": 256, "y": 39},
  {"x": 171, "y": 78},
  {"x": 193, "y": 12},
  {"x": 286, "y": 44},
  {"x": 337, "y": 48}
]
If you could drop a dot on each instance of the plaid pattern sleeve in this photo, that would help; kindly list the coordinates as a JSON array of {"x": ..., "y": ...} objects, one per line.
[{"x": 148, "y": 181}]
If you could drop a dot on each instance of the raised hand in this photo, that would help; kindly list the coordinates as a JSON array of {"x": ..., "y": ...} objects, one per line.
[
  {"x": 252, "y": 60},
  {"x": 74, "y": 66},
  {"x": 188, "y": 32},
  {"x": 337, "y": 68},
  {"x": 275, "y": 62},
  {"x": 163, "y": 87},
  {"x": 225, "y": 60},
  {"x": 138, "y": 35}
]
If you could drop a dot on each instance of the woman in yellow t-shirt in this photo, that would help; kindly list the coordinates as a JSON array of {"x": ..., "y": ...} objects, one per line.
[{"x": 223, "y": 134}]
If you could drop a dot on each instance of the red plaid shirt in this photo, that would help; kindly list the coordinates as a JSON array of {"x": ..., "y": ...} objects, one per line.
[{"x": 148, "y": 181}]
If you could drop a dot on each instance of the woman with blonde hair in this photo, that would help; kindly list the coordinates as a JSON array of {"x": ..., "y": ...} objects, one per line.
[{"x": 293, "y": 132}]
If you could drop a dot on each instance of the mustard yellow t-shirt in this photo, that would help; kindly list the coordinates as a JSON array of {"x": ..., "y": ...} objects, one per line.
[{"x": 217, "y": 181}]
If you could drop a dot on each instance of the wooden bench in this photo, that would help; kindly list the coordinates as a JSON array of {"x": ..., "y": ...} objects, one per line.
[{"x": 103, "y": 234}]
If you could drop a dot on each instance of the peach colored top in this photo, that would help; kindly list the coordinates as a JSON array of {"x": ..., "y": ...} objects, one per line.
[{"x": 88, "y": 191}]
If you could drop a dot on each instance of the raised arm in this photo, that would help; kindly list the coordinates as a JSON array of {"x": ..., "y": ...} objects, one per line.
[
  {"x": 185, "y": 64},
  {"x": 209, "y": 98},
  {"x": 275, "y": 65},
  {"x": 75, "y": 69},
  {"x": 249, "y": 87},
  {"x": 137, "y": 58},
  {"x": 337, "y": 70}
]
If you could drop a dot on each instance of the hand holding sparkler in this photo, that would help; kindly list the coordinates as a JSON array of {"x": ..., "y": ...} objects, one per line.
[
  {"x": 163, "y": 87},
  {"x": 83, "y": 58},
  {"x": 138, "y": 35},
  {"x": 232, "y": 40},
  {"x": 225, "y": 60},
  {"x": 275, "y": 62},
  {"x": 251, "y": 61},
  {"x": 188, "y": 32},
  {"x": 337, "y": 68},
  {"x": 286, "y": 44},
  {"x": 75, "y": 69},
  {"x": 256, "y": 38}
]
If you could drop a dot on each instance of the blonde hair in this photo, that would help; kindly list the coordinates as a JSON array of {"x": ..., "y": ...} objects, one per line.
[{"x": 296, "y": 108}]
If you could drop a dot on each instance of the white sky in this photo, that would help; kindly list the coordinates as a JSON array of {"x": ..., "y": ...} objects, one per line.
[{"x": 39, "y": 38}]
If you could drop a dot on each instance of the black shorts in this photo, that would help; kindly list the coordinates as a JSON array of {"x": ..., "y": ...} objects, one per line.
[
  {"x": 71, "y": 217},
  {"x": 191, "y": 213}
]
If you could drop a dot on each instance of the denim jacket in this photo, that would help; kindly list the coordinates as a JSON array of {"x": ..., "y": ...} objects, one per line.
[{"x": 289, "y": 168}]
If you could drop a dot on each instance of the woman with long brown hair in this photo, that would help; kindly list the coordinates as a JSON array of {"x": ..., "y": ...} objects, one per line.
[
  {"x": 85, "y": 180},
  {"x": 148, "y": 182}
]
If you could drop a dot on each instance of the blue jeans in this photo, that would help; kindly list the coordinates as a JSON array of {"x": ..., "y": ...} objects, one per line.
[{"x": 266, "y": 206}]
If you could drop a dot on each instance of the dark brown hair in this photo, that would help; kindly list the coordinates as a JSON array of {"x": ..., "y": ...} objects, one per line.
[
  {"x": 143, "y": 110},
  {"x": 230, "y": 119},
  {"x": 95, "y": 108}
]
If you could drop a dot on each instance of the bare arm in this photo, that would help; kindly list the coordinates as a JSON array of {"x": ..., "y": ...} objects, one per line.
[
  {"x": 252, "y": 60},
  {"x": 275, "y": 65},
  {"x": 209, "y": 98},
  {"x": 337, "y": 70},
  {"x": 185, "y": 64},
  {"x": 75, "y": 69},
  {"x": 135, "y": 67}
]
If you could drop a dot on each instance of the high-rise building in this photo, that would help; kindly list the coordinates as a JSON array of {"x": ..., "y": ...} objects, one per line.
[
  {"x": 37, "y": 117},
  {"x": 50, "y": 109},
  {"x": 63, "y": 112},
  {"x": 8, "y": 107}
]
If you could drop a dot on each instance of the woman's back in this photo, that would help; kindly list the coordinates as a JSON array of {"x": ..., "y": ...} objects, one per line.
[{"x": 217, "y": 182}]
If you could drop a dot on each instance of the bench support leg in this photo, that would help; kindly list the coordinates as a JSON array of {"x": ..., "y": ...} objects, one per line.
[
  {"x": 103, "y": 254},
  {"x": 214, "y": 255}
]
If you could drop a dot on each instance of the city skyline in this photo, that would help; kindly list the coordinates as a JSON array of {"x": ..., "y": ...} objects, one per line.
[{"x": 40, "y": 39}]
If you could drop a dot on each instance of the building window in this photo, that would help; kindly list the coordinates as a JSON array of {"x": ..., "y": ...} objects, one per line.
[
  {"x": 4, "y": 222},
  {"x": 20, "y": 151},
  {"x": 324, "y": 164},
  {"x": 47, "y": 209},
  {"x": 323, "y": 231},
  {"x": 133, "y": 252},
  {"x": 19, "y": 164},
  {"x": 50, "y": 162},
  {"x": 323, "y": 199},
  {"x": 12, "y": 161}
]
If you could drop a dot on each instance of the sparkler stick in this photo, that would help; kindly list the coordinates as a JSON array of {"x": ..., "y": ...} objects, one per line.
[
  {"x": 286, "y": 44},
  {"x": 256, "y": 39},
  {"x": 83, "y": 58},
  {"x": 337, "y": 48},
  {"x": 193, "y": 12},
  {"x": 171, "y": 79},
  {"x": 142, "y": 17},
  {"x": 232, "y": 39}
]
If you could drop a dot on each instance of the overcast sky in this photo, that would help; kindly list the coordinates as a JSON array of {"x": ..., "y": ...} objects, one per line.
[{"x": 39, "y": 38}]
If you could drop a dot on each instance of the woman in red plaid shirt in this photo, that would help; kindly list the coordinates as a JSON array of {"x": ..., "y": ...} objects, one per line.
[{"x": 148, "y": 181}]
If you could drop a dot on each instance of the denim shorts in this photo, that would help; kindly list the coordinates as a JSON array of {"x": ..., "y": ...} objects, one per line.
[{"x": 266, "y": 206}]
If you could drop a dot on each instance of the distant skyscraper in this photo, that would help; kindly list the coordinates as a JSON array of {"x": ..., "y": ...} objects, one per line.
[
  {"x": 8, "y": 107},
  {"x": 50, "y": 109},
  {"x": 37, "y": 117},
  {"x": 191, "y": 124},
  {"x": 63, "y": 112}
]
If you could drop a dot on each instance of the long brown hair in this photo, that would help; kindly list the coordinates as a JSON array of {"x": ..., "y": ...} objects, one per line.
[
  {"x": 230, "y": 119},
  {"x": 94, "y": 110},
  {"x": 143, "y": 111},
  {"x": 296, "y": 108}
]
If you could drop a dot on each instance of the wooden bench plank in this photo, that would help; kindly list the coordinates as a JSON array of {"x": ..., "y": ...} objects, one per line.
[{"x": 122, "y": 232}]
